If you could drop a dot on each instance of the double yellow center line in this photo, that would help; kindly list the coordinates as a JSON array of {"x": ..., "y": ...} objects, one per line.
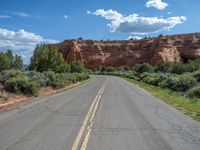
[{"x": 88, "y": 122}]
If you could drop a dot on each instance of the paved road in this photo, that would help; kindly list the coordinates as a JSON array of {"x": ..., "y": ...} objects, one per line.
[{"x": 106, "y": 113}]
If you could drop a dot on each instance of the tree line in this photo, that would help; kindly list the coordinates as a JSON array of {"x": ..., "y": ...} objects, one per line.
[
  {"x": 44, "y": 58},
  {"x": 48, "y": 58},
  {"x": 10, "y": 61},
  {"x": 47, "y": 68}
]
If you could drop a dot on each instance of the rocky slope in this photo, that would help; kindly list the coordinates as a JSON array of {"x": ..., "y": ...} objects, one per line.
[{"x": 174, "y": 48}]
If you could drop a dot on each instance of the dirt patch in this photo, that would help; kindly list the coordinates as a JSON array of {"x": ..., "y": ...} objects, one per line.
[{"x": 46, "y": 90}]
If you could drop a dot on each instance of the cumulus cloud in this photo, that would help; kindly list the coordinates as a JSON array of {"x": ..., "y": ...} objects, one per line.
[
  {"x": 66, "y": 17},
  {"x": 136, "y": 24},
  {"x": 22, "y": 42},
  {"x": 158, "y": 4},
  {"x": 134, "y": 37},
  {"x": 4, "y": 16}
]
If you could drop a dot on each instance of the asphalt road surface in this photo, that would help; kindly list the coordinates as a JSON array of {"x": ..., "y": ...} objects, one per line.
[{"x": 107, "y": 113}]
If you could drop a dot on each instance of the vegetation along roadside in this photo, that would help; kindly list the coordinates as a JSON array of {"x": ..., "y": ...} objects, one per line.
[
  {"x": 47, "y": 69},
  {"x": 178, "y": 84}
]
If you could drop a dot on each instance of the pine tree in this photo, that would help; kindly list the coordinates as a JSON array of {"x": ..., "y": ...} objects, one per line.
[
  {"x": 48, "y": 58},
  {"x": 5, "y": 62},
  {"x": 9, "y": 53},
  {"x": 18, "y": 62}
]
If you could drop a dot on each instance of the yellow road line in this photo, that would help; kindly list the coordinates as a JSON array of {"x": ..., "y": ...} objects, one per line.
[
  {"x": 85, "y": 142},
  {"x": 86, "y": 139},
  {"x": 90, "y": 112}
]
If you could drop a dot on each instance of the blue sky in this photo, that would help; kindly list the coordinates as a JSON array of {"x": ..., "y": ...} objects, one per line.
[{"x": 24, "y": 23}]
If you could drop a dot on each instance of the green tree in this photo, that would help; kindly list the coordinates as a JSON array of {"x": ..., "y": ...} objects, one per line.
[
  {"x": 48, "y": 58},
  {"x": 77, "y": 67},
  {"x": 18, "y": 62},
  {"x": 9, "y": 53},
  {"x": 5, "y": 62}
]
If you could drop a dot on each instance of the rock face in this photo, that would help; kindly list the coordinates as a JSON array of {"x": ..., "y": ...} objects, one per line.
[{"x": 93, "y": 54}]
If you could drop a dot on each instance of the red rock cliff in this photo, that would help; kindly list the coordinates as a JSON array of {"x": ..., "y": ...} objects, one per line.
[{"x": 174, "y": 48}]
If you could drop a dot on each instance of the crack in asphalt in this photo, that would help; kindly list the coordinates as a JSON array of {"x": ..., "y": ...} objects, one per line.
[{"x": 182, "y": 132}]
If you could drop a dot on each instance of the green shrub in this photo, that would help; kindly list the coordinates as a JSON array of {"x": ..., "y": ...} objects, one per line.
[
  {"x": 22, "y": 84},
  {"x": 7, "y": 74},
  {"x": 194, "y": 92},
  {"x": 82, "y": 76},
  {"x": 163, "y": 67},
  {"x": 190, "y": 66},
  {"x": 58, "y": 83},
  {"x": 52, "y": 79},
  {"x": 108, "y": 69},
  {"x": 130, "y": 76},
  {"x": 141, "y": 68},
  {"x": 31, "y": 88},
  {"x": 29, "y": 82},
  {"x": 77, "y": 67},
  {"x": 72, "y": 78},
  {"x": 178, "y": 68},
  {"x": 154, "y": 78},
  {"x": 196, "y": 75},
  {"x": 183, "y": 82}
]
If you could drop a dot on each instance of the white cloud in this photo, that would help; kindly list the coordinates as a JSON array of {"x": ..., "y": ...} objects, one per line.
[
  {"x": 134, "y": 37},
  {"x": 4, "y": 16},
  {"x": 109, "y": 14},
  {"x": 66, "y": 17},
  {"x": 21, "y": 42},
  {"x": 136, "y": 24},
  {"x": 22, "y": 14},
  {"x": 89, "y": 12},
  {"x": 158, "y": 4}
]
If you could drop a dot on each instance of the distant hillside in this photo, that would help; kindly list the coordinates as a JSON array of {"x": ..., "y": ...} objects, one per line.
[{"x": 175, "y": 48}]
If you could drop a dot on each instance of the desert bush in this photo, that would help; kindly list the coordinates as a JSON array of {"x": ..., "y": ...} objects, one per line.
[
  {"x": 194, "y": 92},
  {"x": 7, "y": 74},
  {"x": 82, "y": 76},
  {"x": 190, "y": 66},
  {"x": 29, "y": 82},
  {"x": 72, "y": 78},
  {"x": 22, "y": 84},
  {"x": 163, "y": 67},
  {"x": 181, "y": 83},
  {"x": 77, "y": 67},
  {"x": 58, "y": 83},
  {"x": 145, "y": 67},
  {"x": 178, "y": 68},
  {"x": 169, "y": 81},
  {"x": 185, "y": 82},
  {"x": 152, "y": 79},
  {"x": 196, "y": 75}
]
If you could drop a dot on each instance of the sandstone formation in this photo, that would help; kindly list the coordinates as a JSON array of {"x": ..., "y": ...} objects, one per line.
[{"x": 93, "y": 54}]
